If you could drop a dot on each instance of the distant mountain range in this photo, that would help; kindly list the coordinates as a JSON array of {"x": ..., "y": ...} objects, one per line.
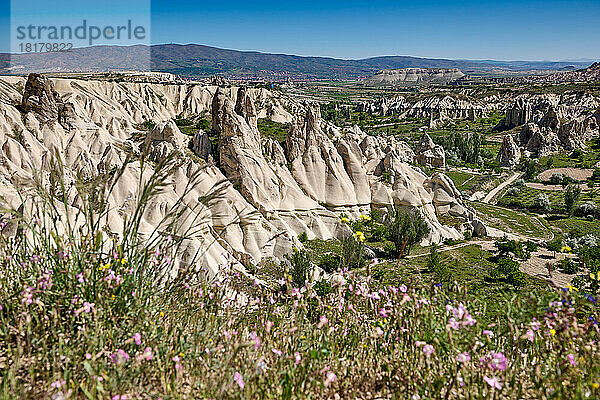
[{"x": 194, "y": 60}]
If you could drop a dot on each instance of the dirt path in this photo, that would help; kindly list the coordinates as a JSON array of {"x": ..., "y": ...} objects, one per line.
[{"x": 490, "y": 196}]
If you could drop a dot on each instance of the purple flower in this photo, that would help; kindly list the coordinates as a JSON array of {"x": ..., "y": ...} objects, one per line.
[
  {"x": 137, "y": 338},
  {"x": 237, "y": 378},
  {"x": 493, "y": 382},
  {"x": 463, "y": 357},
  {"x": 498, "y": 361},
  {"x": 428, "y": 349},
  {"x": 571, "y": 358}
]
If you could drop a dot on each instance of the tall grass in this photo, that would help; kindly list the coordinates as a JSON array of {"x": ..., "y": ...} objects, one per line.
[{"x": 87, "y": 316}]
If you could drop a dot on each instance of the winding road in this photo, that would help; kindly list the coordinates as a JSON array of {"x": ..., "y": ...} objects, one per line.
[{"x": 490, "y": 196}]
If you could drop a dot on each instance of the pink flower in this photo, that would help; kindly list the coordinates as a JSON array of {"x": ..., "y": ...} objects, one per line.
[
  {"x": 493, "y": 382},
  {"x": 137, "y": 338},
  {"x": 298, "y": 358},
  {"x": 256, "y": 339},
  {"x": 428, "y": 349},
  {"x": 498, "y": 361},
  {"x": 378, "y": 331},
  {"x": 403, "y": 288},
  {"x": 453, "y": 323},
  {"x": 463, "y": 357},
  {"x": 58, "y": 384},
  {"x": 88, "y": 356},
  {"x": 80, "y": 277},
  {"x": 278, "y": 352},
  {"x": 176, "y": 360},
  {"x": 119, "y": 397},
  {"x": 488, "y": 333},
  {"x": 119, "y": 357},
  {"x": 330, "y": 378},
  {"x": 571, "y": 358},
  {"x": 148, "y": 353},
  {"x": 322, "y": 322},
  {"x": 237, "y": 378},
  {"x": 529, "y": 335}
]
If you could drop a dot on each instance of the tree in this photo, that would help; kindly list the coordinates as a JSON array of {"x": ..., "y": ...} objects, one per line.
[
  {"x": 542, "y": 202},
  {"x": 530, "y": 169},
  {"x": 572, "y": 194},
  {"x": 406, "y": 228},
  {"x": 554, "y": 245}
]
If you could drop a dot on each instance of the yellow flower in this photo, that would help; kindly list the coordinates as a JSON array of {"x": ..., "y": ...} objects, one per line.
[
  {"x": 161, "y": 314},
  {"x": 112, "y": 297},
  {"x": 123, "y": 261},
  {"x": 359, "y": 236},
  {"x": 344, "y": 220},
  {"x": 364, "y": 217},
  {"x": 565, "y": 249},
  {"x": 595, "y": 385},
  {"x": 571, "y": 288},
  {"x": 592, "y": 276},
  {"x": 181, "y": 354},
  {"x": 552, "y": 332}
]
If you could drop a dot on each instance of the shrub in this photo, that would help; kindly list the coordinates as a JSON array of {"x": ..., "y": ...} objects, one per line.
[
  {"x": 568, "y": 266},
  {"x": 352, "y": 253},
  {"x": 513, "y": 191},
  {"x": 303, "y": 237},
  {"x": 329, "y": 262},
  {"x": 542, "y": 202},
  {"x": 406, "y": 228},
  {"x": 571, "y": 196},
  {"x": 389, "y": 248},
  {"x": 556, "y": 178},
  {"x": 299, "y": 267},
  {"x": 378, "y": 233},
  {"x": 468, "y": 235},
  {"x": 441, "y": 271}
]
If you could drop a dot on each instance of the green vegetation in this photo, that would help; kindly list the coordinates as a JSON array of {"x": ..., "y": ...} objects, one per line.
[
  {"x": 273, "y": 130},
  {"x": 512, "y": 221}
]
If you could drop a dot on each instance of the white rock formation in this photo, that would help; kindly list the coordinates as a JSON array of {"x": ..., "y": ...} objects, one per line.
[{"x": 271, "y": 193}]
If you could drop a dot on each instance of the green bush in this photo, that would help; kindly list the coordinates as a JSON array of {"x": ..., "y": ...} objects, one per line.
[
  {"x": 352, "y": 253},
  {"x": 406, "y": 228},
  {"x": 378, "y": 233},
  {"x": 568, "y": 266},
  {"x": 329, "y": 262},
  {"x": 299, "y": 266},
  {"x": 303, "y": 237}
]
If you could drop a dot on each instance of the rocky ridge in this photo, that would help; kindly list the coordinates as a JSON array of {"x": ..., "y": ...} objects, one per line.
[
  {"x": 548, "y": 123},
  {"x": 271, "y": 193}
]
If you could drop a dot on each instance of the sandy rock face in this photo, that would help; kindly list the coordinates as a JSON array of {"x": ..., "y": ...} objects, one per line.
[
  {"x": 550, "y": 123},
  {"x": 41, "y": 98},
  {"x": 509, "y": 154},
  {"x": 430, "y": 154}
]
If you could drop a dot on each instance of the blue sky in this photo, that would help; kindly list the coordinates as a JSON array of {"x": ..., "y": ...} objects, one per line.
[{"x": 503, "y": 30}]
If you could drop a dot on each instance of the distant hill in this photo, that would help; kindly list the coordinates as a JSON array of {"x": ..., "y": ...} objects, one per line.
[
  {"x": 194, "y": 60},
  {"x": 589, "y": 74}
]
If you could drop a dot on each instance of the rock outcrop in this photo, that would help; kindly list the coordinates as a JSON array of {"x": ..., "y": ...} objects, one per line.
[
  {"x": 550, "y": 123},
  {"x": 429, "y": 154},
  {"x": 509, "y": 154}
]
